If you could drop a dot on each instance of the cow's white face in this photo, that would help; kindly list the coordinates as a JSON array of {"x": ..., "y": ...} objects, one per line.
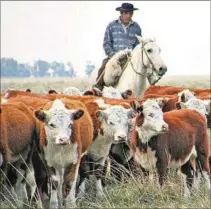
[
  {"x": 59, "y": 122},
  {"x": 72, "y": 91},
  {"x": 150, "y": 120},
  {"x": 111, "y": 92},
  {"x": 153, "y": 117},
  {"x": 116, "y": 121},
  {"x": 202, "y": 106}
]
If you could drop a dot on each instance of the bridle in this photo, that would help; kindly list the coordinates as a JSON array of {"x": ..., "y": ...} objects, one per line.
[{"x": 143, "y": 66}]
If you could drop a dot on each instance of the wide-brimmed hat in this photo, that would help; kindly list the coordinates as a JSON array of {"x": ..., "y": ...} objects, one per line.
[{"x": 126, "y": 7}]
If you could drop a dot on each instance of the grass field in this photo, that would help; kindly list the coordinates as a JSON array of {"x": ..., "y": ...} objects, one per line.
[
  {"x": 42, "y": 85},
  {"x": 132, "y": 193}
]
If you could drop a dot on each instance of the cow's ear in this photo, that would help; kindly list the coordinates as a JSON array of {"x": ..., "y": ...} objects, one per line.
[
  {"x": 88, "y": 92},
  {"x": 131, "y": 113},
  {"x": 40, "y": 115},
  {"x": 162, "y": 102},
  {"x": 207, "y": 106},
  {"x": 136, "y": 106},
  {"x": 127, "y": 94},
  {"x": 100, "y": 115},
  {"x": 77, "y": 114},
  {"x": 180, "y": 105},
  {"x": 182, "y": 98},
  {"x": 52, "y": 91},
  {"x": 28, "y": 90},
  {"x": 97, "y": 92}
]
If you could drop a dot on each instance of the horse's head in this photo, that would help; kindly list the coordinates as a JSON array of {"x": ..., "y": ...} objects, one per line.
[{"x": 151, "y": 59}]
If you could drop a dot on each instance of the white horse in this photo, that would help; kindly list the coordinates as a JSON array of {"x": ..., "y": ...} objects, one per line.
[{"x": 144, "y": 68}]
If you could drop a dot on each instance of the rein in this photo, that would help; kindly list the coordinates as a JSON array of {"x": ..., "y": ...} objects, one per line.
[{"x": 140, "y": 73}]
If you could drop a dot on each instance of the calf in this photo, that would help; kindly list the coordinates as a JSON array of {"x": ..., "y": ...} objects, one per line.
[
  {"x": 111, "y": 92},
  {"x": 185, "y": 137},
  {"x": 170, "y": 90},
  {"x": 63, "y": 142},
  {"x": 114, "y": 128},
  {"x": 73, "y": 91},
  {"x": 18, "y": 135}
]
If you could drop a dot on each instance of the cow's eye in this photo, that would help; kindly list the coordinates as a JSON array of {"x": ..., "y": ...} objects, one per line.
[
  {"x": 111, "y": 123},
  {"x": 151, "y": 115},
  {"x": 52, "y": 125}
]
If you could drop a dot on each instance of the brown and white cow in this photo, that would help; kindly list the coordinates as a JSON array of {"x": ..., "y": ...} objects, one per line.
[
  {"x": 185, "y": 137},
  {"x": 18, "y": 135},
  {"x": 187, "y": 99},
  {"x": 170, "y": 90},
  {"x": 66, "y": 132},
  {"x": 114, "y": 124}
]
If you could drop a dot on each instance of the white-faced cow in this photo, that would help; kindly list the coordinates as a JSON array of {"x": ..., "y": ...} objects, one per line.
[
  {"x": 66, "y": 132},
  {"x": 115, "y": 126}
]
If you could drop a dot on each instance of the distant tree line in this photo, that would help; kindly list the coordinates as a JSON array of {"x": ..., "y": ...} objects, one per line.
[{"x": 40, "y": 68}]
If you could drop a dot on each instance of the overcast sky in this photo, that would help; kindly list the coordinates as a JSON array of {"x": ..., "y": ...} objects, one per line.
[{"x": 74, "y": 31}]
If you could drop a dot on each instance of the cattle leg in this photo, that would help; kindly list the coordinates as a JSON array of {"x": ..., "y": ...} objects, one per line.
[
  {"x": 99, "y": 175},
  {"x": 3, "y": 168},
  {"x": 84, "y": 172},
  {"x": 20, "y": 186},
  {"x": 203, "y": 166},
  {"x": 55, "y": 180},
  {"x": 69, "y": 185},
  {"x": 187, "y": 175},
  {"x": 40, "y": 176},
  {"x": 30, "y": 178},
  {"x": 81, "y": 188},
  {"x": 161, "y": 166}
]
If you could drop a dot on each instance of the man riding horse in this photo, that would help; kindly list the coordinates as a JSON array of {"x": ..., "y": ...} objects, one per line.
[{"x": 120, "y": 35}]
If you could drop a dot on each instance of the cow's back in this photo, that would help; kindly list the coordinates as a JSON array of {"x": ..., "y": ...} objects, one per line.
[
  {"x": 19, "y": 126},
  {"x": 186, "y": 127},
  {"x": 170, "y": 90}
]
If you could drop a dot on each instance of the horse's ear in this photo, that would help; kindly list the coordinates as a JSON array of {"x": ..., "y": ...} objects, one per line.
[
  {"x": 140, "y": 39},
  {"x": 153, "y": 39}
]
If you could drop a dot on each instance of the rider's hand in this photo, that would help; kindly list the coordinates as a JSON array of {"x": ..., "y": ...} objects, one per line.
[{"x": 111, "y": 54}]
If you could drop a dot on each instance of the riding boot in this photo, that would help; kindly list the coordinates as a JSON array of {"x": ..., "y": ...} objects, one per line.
[{"x": 100, "y": 83}]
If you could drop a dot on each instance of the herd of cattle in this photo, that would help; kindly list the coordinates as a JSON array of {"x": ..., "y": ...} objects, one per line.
[{"x": 54, "y": 142}]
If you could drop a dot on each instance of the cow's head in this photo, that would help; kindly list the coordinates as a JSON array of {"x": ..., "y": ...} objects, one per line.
[
  {"x": 116, "y": 121},
  {"x": 202, "y": 106},
  {"x": 149, "y": 121},
  {"x": 59, "y": 122},
  {"x": 111, "y": 92},
  {"x": 185, "y": 95}
]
